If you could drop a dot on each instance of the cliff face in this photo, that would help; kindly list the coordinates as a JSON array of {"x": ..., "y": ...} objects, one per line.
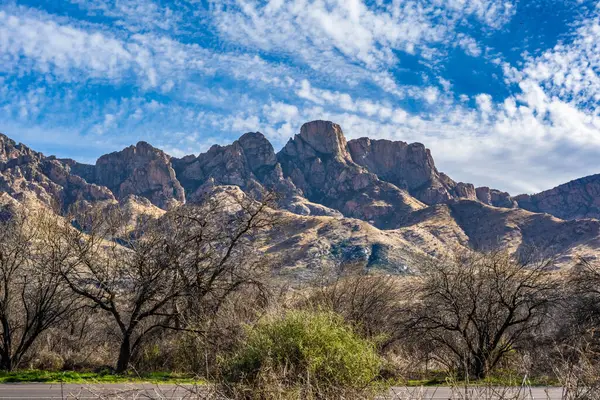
[
  {"x": 320, "y": 165},
  {"x": 27, "y": 173},
  {"x": 140, "y": 170},
  {"x": 325, "y": 185},
  {"x": 409, "y": 167},
  {"x": 576, "y": 199}
]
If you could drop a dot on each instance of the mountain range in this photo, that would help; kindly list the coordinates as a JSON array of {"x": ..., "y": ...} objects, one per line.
[{"x": 364, "y": 202}]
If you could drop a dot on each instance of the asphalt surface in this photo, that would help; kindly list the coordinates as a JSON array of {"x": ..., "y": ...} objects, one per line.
[
  {"x": 484, "y": 393},
  {"x": 180, "y": 392},
  {"x": 100, "y": 391}
]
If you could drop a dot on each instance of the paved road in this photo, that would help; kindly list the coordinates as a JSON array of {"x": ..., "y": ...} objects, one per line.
[
  {"x": 171, "y": 392},
  {"x": 98, "y": 391},
  {"x": 497, "y": 393}
]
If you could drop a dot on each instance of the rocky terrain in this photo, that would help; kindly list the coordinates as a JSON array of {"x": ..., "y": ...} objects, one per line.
[
  {"x": 576, "y": 199},
  {"x": 365, "y": 203},
  {"x": 27, "y": 173},
  {"x": 319, "y": 164}
]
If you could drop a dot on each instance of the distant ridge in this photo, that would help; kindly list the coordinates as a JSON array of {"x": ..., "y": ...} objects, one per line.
[{"x": 393, "y": 186}]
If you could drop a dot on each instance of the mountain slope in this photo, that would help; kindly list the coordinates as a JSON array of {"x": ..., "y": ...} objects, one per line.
[
  {"x": 472, "y": 224},
  {"x": 319, "y": 164},
  {"x": 363, "y": 203},
  {"x": 25, "y": 173},
  {"x": 579, "y": 198}
]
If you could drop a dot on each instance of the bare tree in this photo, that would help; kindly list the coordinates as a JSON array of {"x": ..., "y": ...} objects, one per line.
[
  {"x": 584, "y": 297},
  {"x": 132, "y": 280},
  {"x": 33, "y": 298},
  {"x": 166, "y": 271},
  {"x": 369, "y": 302},
  {"x": 476, "y": 307},
  {"x": 219, "y": 246},
  {"x": 577, "y": 369}
]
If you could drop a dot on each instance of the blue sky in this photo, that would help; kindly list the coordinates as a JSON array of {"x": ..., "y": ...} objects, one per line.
[{"x": 506, "y": 93}]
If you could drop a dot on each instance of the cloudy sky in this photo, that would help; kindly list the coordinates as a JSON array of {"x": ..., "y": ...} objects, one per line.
[{"x": 506, "y": 93}]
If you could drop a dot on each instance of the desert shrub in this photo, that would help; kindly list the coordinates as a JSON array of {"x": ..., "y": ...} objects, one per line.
[
  {"x": 302, "y": 355},
  {"x": 369, "y": 303},
  {"x": 48, "y": 361},
  {"x": 155, "y": 356}
]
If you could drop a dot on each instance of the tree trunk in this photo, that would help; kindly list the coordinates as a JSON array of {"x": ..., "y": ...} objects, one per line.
[
  {"x": 477, "y": 369},
  {"x": 6, "y": 363},
  {"x": 124, "y": 355},
  {"x": 6, "y": 359}
]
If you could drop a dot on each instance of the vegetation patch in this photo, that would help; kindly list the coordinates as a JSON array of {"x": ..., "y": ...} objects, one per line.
[
  {"x": 307, "y": 353},
  {"x": 93, "y": 377}
]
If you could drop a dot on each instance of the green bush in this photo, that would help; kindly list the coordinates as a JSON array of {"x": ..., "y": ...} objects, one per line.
[{"x": 307, "y": 353}]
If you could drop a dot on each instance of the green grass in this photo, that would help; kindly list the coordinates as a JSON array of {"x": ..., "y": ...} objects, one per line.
[
  {"x": 94, "y": 377},
  {"x": 436, "y": 379}
]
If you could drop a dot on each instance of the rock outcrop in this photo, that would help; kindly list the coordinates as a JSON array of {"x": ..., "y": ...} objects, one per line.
[
  {"x": 320, "y": 165},
  {"x": 26, "y": 173},
  {"x": 140, "y": 170},
  {"x": 496, "y": 198},
  {"x": 579, "y": 198},
  {"x": 249, "y": 163},
  {"x": 409, "y": 167}
]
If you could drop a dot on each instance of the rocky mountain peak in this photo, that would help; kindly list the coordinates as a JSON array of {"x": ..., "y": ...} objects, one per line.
[
  {"x": 243, "y": 163},
  {"x": 319, "y": 164},
  {"x": 140, "y": 151},
  {"x": 324, "y": 137},
  {"x": 9, "y": 149},
  {"x": 144, "y": 144},
  {"x": 140, "y": 170},
  {"x": 249, "y": 163},
  {"x": 258, "y": 150},
  {"x": 25, "y": 173},
  {"x": 579, "y": 198}
]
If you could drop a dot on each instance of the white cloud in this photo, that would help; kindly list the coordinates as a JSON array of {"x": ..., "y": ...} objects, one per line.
[
  {"x": 368, "y": 107},
  {"x": 368, "y": 34},
  {"x": 571, "y": 70},
  {"x": 46, "y": 45},
  {"x": 278, "y": 112},
  {"x": 134, "y": 15},
  {"x": 494, "y": 13},
  {"x": 30, "y": 41},
  {"x": 484, "y": 102},
  {"x": 469, "y": 45},
  {"x": 431, "y": 94}
]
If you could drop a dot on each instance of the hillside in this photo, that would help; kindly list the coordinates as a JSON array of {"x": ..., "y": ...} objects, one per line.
[{"x": 366, "y": 203}]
